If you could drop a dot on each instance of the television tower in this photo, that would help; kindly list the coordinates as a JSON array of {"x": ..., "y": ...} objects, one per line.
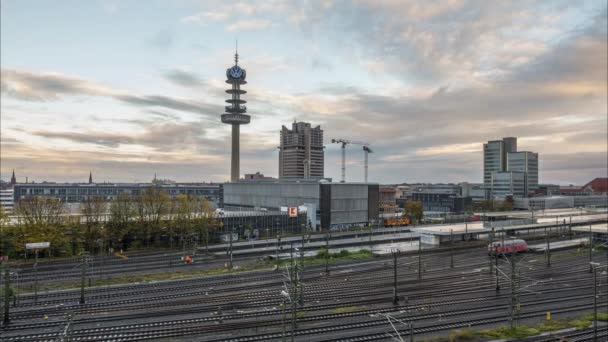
[{"x": 235, "y": 113}]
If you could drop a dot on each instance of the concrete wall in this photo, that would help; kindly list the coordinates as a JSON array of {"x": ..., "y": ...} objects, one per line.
[{"x": 349, "y": 203}]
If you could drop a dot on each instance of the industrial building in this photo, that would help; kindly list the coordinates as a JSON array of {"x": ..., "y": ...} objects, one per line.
[
  {"x": 301, "y": 154},
  {"x": 335, "y": 205}
]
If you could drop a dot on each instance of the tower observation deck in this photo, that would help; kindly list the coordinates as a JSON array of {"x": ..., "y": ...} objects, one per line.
[{"x": 235, "y": 113}]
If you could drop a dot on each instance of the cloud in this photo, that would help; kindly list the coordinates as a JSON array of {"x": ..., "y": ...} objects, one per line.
[
  {"x": 203, "y": 17},
  {"x": 30, "y": 86},
  {"x": 183, "y": 78},
  {"x": 163, "y": 39},
  {"x": 165, "y": 137},
  {"x": 248, "y": 25}
]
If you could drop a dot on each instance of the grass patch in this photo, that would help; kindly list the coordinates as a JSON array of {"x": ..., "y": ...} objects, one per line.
[
  {"x": 139, "y": 278},
  {"x": 300, "y": 314},
  {"x": 323, "y": 254},
  {"x": 345, "y": 309},
  {"x": 519, "y": 332},
  {"x": 601, "y": 316},
  {"x": 462, "y": 335}
]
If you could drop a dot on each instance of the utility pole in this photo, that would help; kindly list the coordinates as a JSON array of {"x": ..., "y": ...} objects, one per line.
[
  {"x": 590, "y": 249},
  {"x": 36, "y": 277},
  {"x": 548, "y": 252},
  {"x": 594, "y": 304},
  {"x": 83, "y": 271},
  {"x": 492, "y": 247},
  {"x": 327, "y": 237},
  {"x": 395, "y": 297},
  {"x": 230, "y": 248},
  {"x": 451, "y": 249},
  {"x": 7, "y": 287},
  {"x": 419, "y": 260},
  {"x": 283, "y": 320},
  {"x": 513, "y": 300},
  {"x": 294, "y": 295},
  {"x": 301, "y": 272},
  {"x": 277, "y": 251},
  {"x": 496, "y": 260}
]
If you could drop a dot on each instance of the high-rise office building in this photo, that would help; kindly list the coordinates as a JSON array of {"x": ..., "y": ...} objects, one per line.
[
  {"x": 527, "y": 162},
  {"x": 495, "y": 157},
  {"x": 301, "y": 152},
  {"x": 505, "y": 183}
]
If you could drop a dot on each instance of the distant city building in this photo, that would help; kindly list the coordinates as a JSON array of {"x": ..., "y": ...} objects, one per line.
[
  {"x": 504, "y": 183},
  {"x": 256, "y": 176},
  {"x": 494, "y": 160},
  {"x": 595, "y": 186},
  {"x": 7, "y": 201},
  {"x": 301, "y": 152},
  {"x": 557, "y": 202},
  {"x": 442, "y": 202},
  {"x": 388, "y": 200},
  {"x": 501, "y": 156},
  {"x": 78, "y": 192},
  {"x": 476, "y": 191},
  {"x": 527, "y": 162}
]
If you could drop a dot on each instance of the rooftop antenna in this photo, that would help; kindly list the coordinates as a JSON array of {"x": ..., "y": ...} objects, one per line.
[{"x": 236, "y": 51}]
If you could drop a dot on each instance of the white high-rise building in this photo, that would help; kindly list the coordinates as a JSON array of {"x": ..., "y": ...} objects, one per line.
[
  {"x": 495, "y": 157},
  {"x": 505, "y": 183},
  {"x": 527, "y": 162}
]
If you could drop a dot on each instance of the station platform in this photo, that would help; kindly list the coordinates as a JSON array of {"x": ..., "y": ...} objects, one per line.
[{"x": 559, "y": 245}]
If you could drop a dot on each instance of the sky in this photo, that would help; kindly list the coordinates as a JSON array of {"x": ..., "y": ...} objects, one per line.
[{"x": 127, "y": 89}]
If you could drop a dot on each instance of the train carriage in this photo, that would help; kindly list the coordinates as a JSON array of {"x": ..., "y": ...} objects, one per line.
[{"x": 507, "y": 247}]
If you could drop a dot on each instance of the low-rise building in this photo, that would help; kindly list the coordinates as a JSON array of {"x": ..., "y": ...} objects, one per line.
[
  {"x": 335, "y": 204},
  {"x": 81, "y": 192}
]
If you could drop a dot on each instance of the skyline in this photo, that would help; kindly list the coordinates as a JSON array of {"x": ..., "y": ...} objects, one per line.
[{"x": 425, "y": 84}]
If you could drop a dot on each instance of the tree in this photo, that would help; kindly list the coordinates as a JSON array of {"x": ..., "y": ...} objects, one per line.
[
  {"x": 40, "y": 219},
  {"x": 150, "y": 208},
  {"x": 92, "y": 210},
  {"x": 205, "y": 220},
  {"x": 413, "y": 210},
  {"x": 121, "y": 215}
]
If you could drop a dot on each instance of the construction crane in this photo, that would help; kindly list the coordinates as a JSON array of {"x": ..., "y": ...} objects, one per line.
[{"x": 345, "y": 142}]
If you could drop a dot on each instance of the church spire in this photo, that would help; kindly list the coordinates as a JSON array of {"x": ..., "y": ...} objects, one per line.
[
  {"x": 13, "y": 179},
  {"x": 90, "y": 177}
]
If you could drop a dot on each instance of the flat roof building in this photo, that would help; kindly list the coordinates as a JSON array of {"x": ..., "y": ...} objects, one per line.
[
  {"x": 80, "y": 192},
  {"x": 335, "y": 204}
]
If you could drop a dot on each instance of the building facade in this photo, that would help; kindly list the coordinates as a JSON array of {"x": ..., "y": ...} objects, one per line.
[
  {"x": 301, "y": 152},
  {"x": 504, "y": 183},
  {"x": 7, "y": 201},
  {"x": 527, "y": 162},
  {"x": 78, "y": 192},
  {"x": 442, "y": 202},
  {"x": 335, "y": 204}
]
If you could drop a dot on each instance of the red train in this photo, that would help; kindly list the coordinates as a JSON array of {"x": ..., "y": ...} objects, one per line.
[{"x": 510, "y": 246}]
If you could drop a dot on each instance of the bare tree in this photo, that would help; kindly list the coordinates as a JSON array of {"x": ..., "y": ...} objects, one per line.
[
  {"x": 92, "y": 210},
  {"x": 121, "y": 214}
]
